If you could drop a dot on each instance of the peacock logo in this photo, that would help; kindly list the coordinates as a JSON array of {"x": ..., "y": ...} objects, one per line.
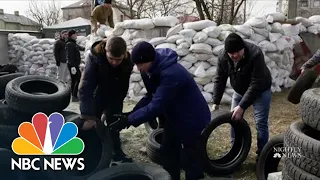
[{"x": 47, "y": 136}]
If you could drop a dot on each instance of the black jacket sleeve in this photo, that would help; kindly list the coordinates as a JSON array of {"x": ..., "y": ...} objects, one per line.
[
  {"x": 56, "y": 51},
  {"x": 71, "y": 51},
  {"x": 220, "y": 80},
  {"x": 258, "y": 76},
  {"x": 81, "y": 48}
]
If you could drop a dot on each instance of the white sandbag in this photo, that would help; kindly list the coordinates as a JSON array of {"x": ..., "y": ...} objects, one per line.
[
  {"x": 173, "y": 38},
  {"x": 202, "y": 81},
  {"x": 226, "y": 27},
  {"x": 211, "y": 71},
  {"x": 303, "y": 29},
  {"x": 313, "y": 29},
  {"x": 304, "y": 21},
  {"x": 212, "y": 31},
  {"x": 184, "y": 45},
  {"x": 244, "y": 29},
  {"x": 201, "y": 48},
  {"x": 267, "y": 46},
  {"x": 200, "y": 37},
  {"x": 182, "y": 51},
  {"x": 185, "y": 64},
  {"x": 262, "y": 31},
  {"x": 143, "y": 91},
  {"x": 200, "y": 72},
  {"x": 192, "y": 69},
  {"x": 184, "y": 40},
  {"x": 250, "y": 41},
  {"x": 213, "y": 42},
  {"x": 273, "y": 37},
  {"x": 200, "y": 87},
  {"x": 188, "y": 33},
  {"x": 282, "y": 44},
  {"x": 157, "y": 40},
  {"x": 258, "y": 22},
  {"x": 102, "y": 29},
  {"x": 315, "y": 19},
  {"x": 276, "y": 17},
  {"x": 213, "y": 60},
  {"x": 275, "y": 176},
  {"x": 226, "y": 99},
  {"x": 135, "y": 77},
  {"x": 241, "y": 35},
  {"x": 142, "y": 84},
  {"x": 216, "y": 50},
  {"x": 207, "y": 96},
  {"x": 174, "y": 30},
  {"x": 297, "y": 39},
  {"x": 118, "y": 30},
  {"x": 190, "y": 58},
  {"x": 202, "y": 57},
  {"x": 167, "y": 45},
  {"x": 209, "y": 87},
  {"x": 144, "y": 23},
  {"x": 168, "y": 21},
  {"x": 135, "y": 69},
  {"x": 204, "y": 64},
  {"x": 229, "y": 91},
  {"x": 224, "y": 34},
  {"x": 290, "y": 30},
  {"x": 199, "y": 25},
  {"x": 136, "y": 41},
  {"x": 276, "y": 28},
  {"x": 266, "y": 59},
  {"x": 257, "y": 38}
]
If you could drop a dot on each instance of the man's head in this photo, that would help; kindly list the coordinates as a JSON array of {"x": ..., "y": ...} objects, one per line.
[
  {"x": 143, "y": 54},
  {"x": 107, "y": 3},
  {"x": 116, "y": 49},
  {"x": 64, "y": 34},
  {"x": 234, "y": 46},
  {"x": 72, "y": 34}
]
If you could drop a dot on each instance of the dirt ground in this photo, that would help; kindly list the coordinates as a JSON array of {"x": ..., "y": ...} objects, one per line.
[{"x": 282, "y": 114}]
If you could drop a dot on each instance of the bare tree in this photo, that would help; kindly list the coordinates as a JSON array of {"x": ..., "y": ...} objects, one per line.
[
  {"x": 46, "y": 14},
  {"x": 136, "y": 8}
]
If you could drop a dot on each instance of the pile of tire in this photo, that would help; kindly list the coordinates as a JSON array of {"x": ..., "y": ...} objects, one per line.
[
  {"x": 299, "y": 146},
  {"x": 227, "y": 163}
]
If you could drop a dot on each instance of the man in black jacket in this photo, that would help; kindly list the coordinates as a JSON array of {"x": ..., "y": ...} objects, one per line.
[
  {"x": 74, "y": 60},
  {"x": 251, "y": 79},
  {"x": 60, "y": 55}
]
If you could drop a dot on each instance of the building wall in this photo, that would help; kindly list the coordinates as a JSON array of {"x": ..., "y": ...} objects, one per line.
[
  {"x": 16, "y": 26},
  {"x": 305, "y": 8}
]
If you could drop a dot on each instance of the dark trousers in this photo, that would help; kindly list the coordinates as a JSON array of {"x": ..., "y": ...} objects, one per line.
[
  {"x": 193, "y": 148},
  {"x": 75, "y": 80}
]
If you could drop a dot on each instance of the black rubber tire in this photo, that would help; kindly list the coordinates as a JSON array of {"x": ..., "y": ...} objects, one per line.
[
  {"x": 239, "y": 151},
  {"x": 310, "y": 108},
  {"x": 97, "y": 153},
  {"x": 218, "y": 178},
  {"x": 308, "y": 141},
  {"x": 267, "y": 163},
  {"x": 150, "y": 128},
  {"x": 153, "y": 148},
  {"x": 294, "y": 172},
  {"x": 304, "y": 82},
  {"x": 5, "y": 79},
  {"x": 132, "y": 171},
  {"x": 19, "y": 94}
]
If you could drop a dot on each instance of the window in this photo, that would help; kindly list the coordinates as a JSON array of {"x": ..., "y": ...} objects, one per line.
[
  {"x": 316, "y": 3},
  {"x": 304, "y": 3}
]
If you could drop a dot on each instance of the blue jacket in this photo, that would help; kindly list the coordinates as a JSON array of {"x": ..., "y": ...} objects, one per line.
[{"x": 173, "y": 92}]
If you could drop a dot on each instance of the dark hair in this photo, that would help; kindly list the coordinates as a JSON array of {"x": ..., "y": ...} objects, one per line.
[
  {"x": 107, "y": 1},
  {"x": 117, "y": 46}
]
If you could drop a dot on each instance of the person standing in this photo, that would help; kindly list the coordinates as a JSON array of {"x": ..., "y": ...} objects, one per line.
[
  {"x": 60, "y": 56},
  {"x": 172, "y": 92},
  {"x": 74, "y": 59},
  {"x": 251, "y": 79},
  {"x": 103, "y": 87},
  {"x": 102, "y": 14}
]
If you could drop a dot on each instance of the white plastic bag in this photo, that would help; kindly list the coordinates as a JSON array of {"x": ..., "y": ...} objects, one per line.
[
  {"x": 169, "y": 21},
  {"x": 212, "y": 31},
  {"x": 199, "y": 25},
  {"x": 188, "y": 33},
  {"x": 200, "y": 72},
  {"x": 200, "y": 37},
  {"x": 213, "y": 42},
  {"x": 201, "y": 48},
  {"x": 244, "y": 29},
  {"x": 190, "y": 58},
  {"x": 138, "y": 24}
]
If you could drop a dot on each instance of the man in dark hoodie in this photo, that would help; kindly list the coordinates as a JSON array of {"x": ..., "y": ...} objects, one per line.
[
  {"x": 251, "y": 79},
  {"x": 60, "y": 55},
  {"x": 74, "y": 59},
  {"x": 172, "y": 92},
  {"x": 104, "y": 85}
]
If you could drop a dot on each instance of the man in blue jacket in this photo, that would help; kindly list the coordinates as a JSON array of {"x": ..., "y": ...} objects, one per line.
[{"x": 172, "y": 92}]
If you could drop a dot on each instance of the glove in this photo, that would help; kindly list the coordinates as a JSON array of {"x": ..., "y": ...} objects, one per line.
[
  {"x": 120, "y": 123},
  {"x": 73, "y": 70},
  {"x": 58, "y": 64}
]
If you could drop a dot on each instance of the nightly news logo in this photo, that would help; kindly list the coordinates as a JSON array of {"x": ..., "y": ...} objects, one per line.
[{"x": 48, "y": 136}]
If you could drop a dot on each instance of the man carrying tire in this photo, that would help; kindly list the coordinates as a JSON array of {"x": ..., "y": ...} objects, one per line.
[
  {"x": 74, "y": 60},
  {"x": 312, "y": 62},
  {"x": 173, "y": 93},
  {"x": 103, "y": 87},
  {"x": 251, "y": 79}
]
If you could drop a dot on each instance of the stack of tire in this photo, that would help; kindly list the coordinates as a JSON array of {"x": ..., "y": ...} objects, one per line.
[{"x": 226, "y": 164}]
